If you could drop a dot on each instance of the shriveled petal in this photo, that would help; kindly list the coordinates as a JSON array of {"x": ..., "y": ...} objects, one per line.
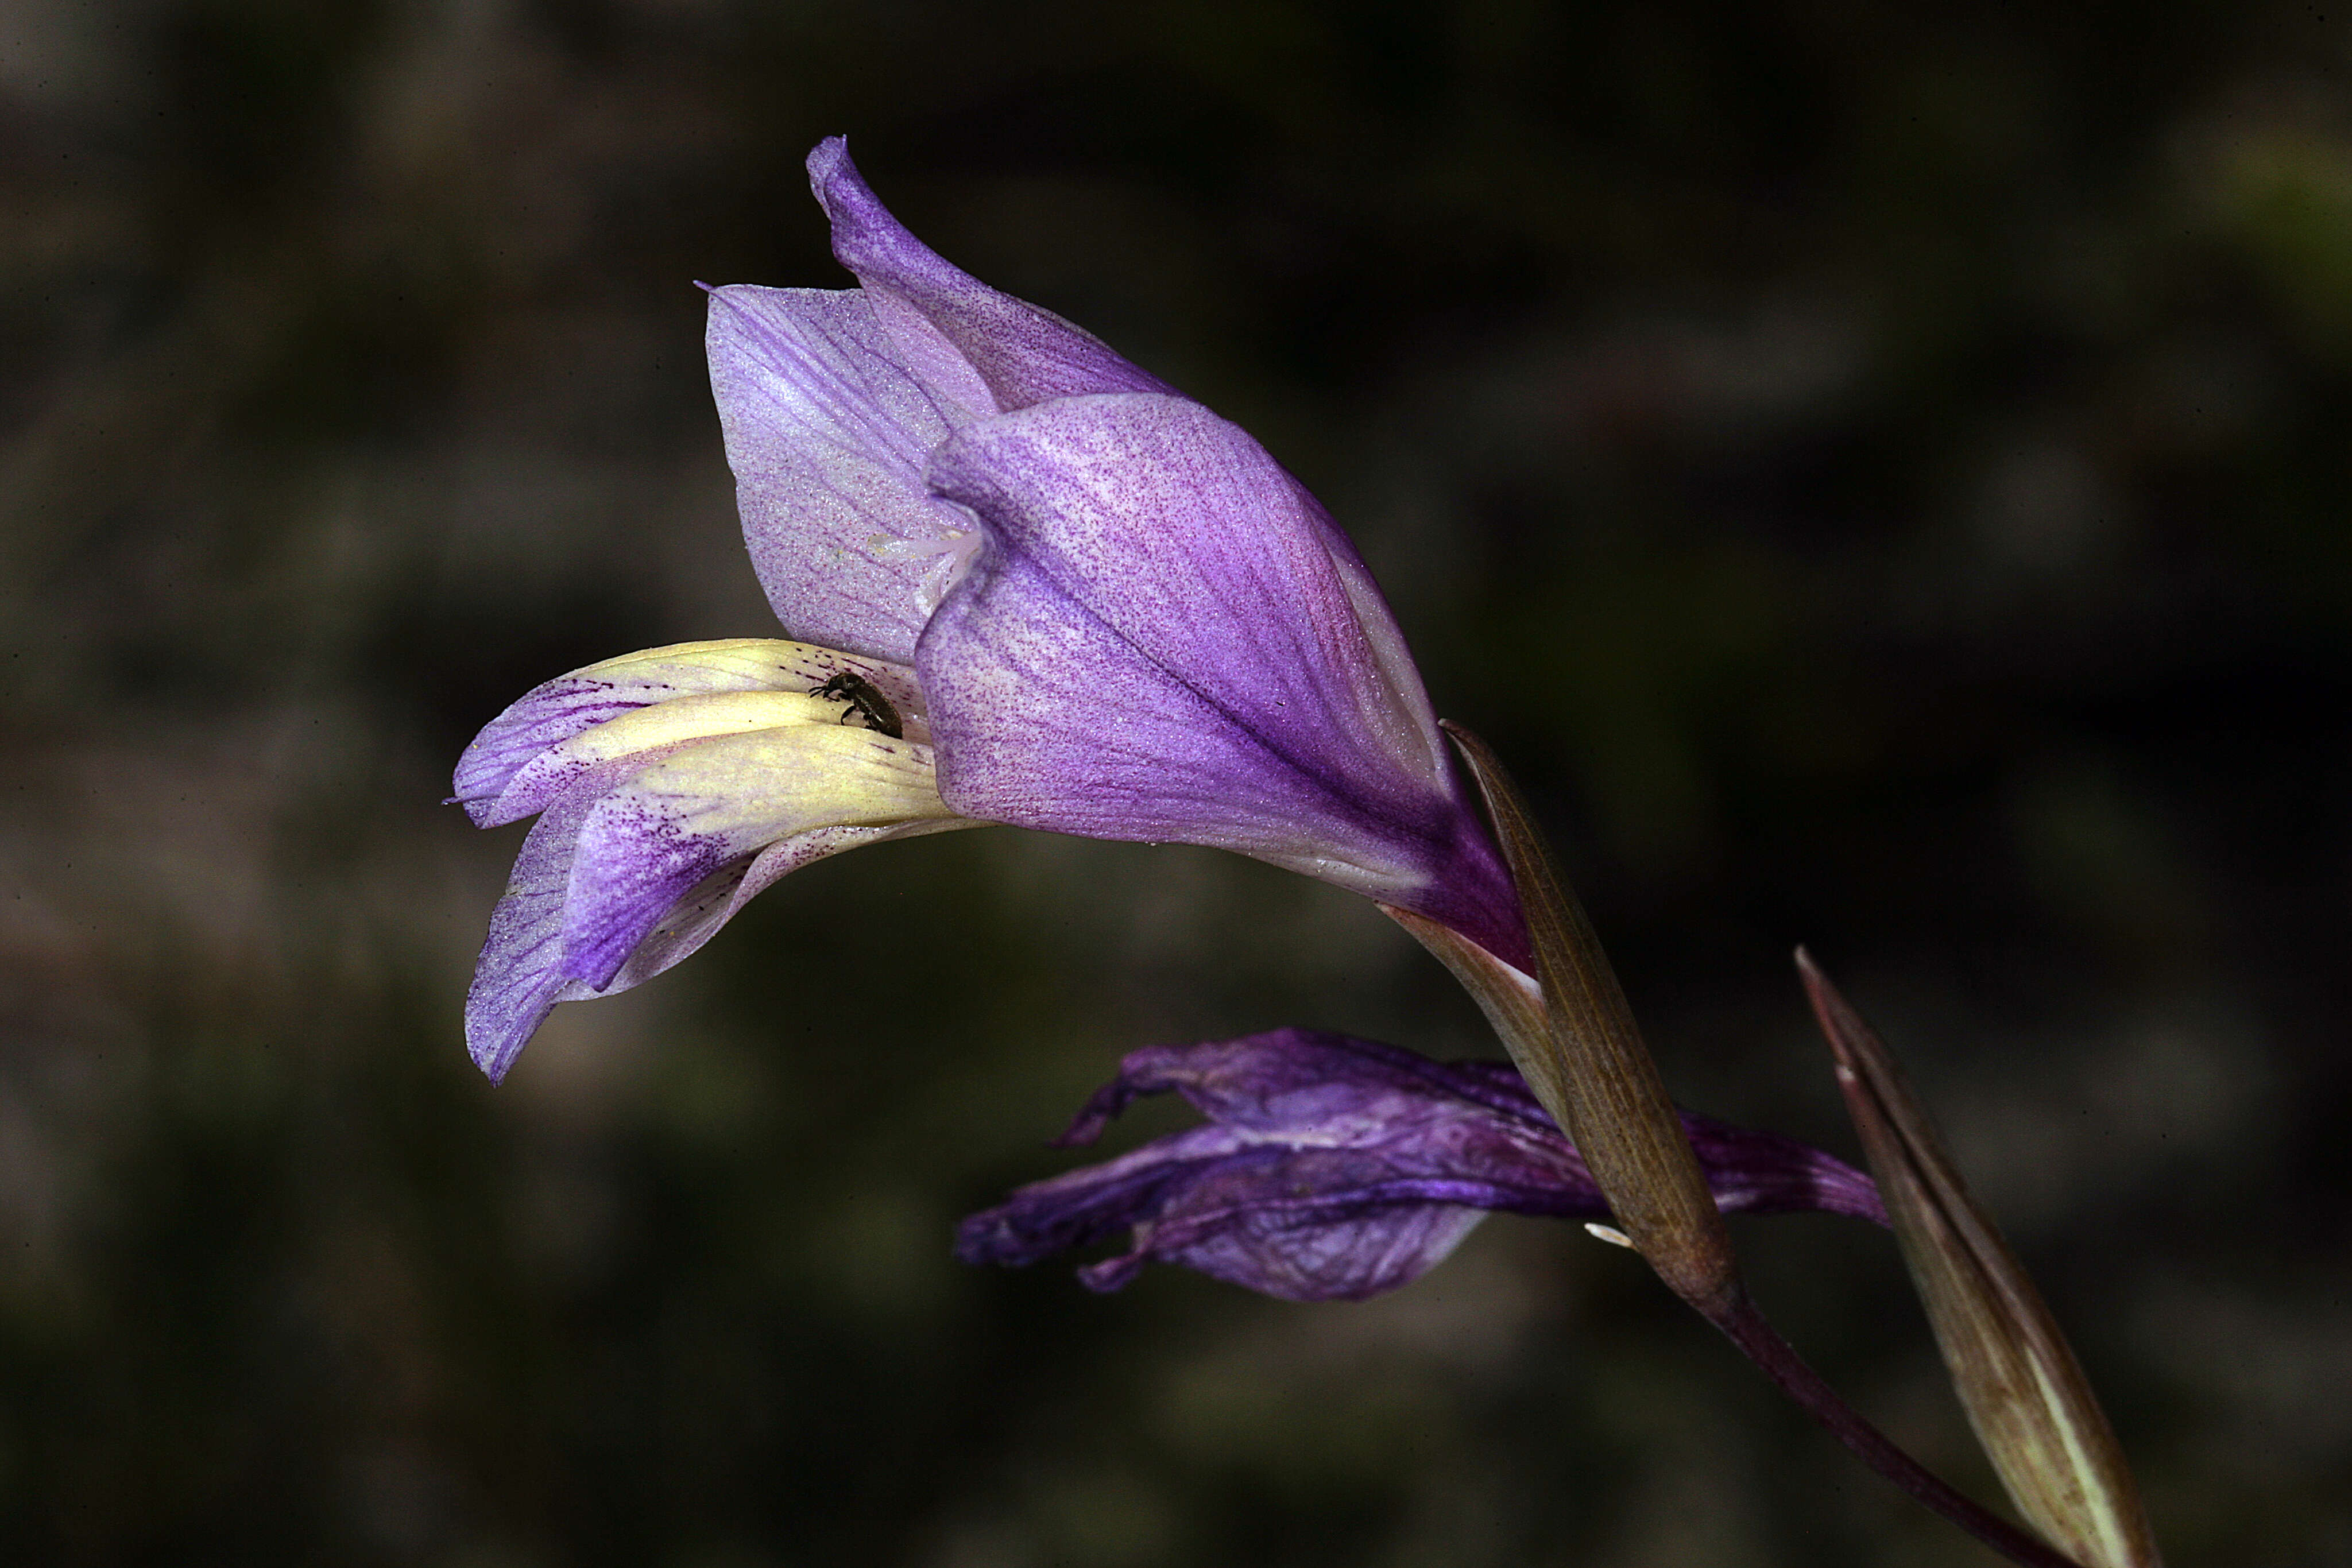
[
  {"x": 1337, "y": 1168},
  {"x": 827, "y": 427},
  {"x": 550, "y": 715},
  {"x": 1313, "y": 1226},
  {"x": 946, "y": 320},
  {"x": 1303, "y": 1223},
  {"x": 651, "y": 842},
  {"x": 1160, "y": 643}
]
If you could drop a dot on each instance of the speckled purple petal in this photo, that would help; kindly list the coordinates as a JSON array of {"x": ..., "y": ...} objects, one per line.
[
  {"x": 696, "y": 917},
  {"x": 1335, "y": 1168},
  {"x": 638, "y": 859},
  {"x": 545, "y": 717},
  {"x": 1160, "y": 643},
  {"x": 947, "y": 317},
  {"x": 519, "y": 977},
  {"x": 652, "y": 840},
  {"x": 827, "y": 429}
]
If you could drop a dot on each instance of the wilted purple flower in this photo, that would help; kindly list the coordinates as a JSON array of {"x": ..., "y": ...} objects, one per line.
[
  {"x": 1333, "y": 1169},
  {"x": 1049, "y": 589}
]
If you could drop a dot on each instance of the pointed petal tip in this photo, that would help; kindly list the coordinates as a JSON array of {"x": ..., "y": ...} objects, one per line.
[
  {"x": 835, "y": 178},
  {"x": 828, "y": 155},
  {"x": 495, "y": 1037},
  {"x": 483, "y": 811},
  {"x": 1112, "y": 1274}
]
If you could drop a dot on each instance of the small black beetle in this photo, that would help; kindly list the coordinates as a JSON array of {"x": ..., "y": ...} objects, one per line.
[{"x": 865, "y": 699}]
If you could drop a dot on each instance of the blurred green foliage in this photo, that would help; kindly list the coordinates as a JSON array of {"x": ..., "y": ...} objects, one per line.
[{"x": 1878, "y": 473}]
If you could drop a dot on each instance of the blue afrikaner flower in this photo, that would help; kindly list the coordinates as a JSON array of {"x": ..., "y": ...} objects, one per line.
[{"x": 1026, "y": 583}]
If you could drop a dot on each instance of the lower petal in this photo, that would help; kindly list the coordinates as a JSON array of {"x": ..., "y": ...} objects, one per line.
[
  {"x": 641, "y": 860},
  {"x": 646, "y": 845}
]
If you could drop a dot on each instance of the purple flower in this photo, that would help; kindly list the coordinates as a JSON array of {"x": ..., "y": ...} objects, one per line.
[
  {"x": 1027, "y": 582},
  {"x": 1333, "y": 1169}
]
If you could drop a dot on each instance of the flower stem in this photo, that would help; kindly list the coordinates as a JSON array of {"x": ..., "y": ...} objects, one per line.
[
  {"x": 1583, "y": 1056},
  {"x": 1762, "y": 1344}
]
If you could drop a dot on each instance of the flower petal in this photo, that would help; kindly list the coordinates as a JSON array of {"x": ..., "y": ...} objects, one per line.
[
  {"x": 1336, "y": 1169},
  {"x": 696, "y": 917},
  {"x": 1359, "y": 1237},
  {"x": 584, "y": 880},
  {"x": 650, "y": 842},
  {"x": 945, "y": 318},
  {"x": 550, "y": 714},
  {"x": 648, "y": 729},
  {"x": 520, "y": 975},
  {"x": 1162, "y": 642},
  {"x": 827, "y": 430}
]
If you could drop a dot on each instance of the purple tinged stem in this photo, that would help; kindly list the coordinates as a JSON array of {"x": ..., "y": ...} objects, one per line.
[
  {"x": 1591, "y": 1066},
  {"x": 1795, "y": 1377}
]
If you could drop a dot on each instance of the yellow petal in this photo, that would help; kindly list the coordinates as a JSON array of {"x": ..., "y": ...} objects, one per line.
[{"x": 767, "y": 784}]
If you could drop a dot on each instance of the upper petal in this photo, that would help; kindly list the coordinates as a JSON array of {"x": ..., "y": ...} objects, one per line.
[
  {"x": 827, "y": 427},
  {"x": 1162, "y": 643},
  {"x": 546, "y": 718},
  {"x": 946, "y": 317}
]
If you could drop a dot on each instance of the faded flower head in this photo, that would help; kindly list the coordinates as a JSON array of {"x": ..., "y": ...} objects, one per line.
[
  {"x": 1084, "y": 603},
  {"x": 1332, "y": 1169}
]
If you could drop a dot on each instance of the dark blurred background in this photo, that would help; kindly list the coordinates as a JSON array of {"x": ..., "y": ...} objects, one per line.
[{"x": 1879, "y": 473}]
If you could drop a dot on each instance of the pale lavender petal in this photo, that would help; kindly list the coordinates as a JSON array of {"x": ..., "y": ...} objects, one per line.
[
  {"x": 528, "y": 963},
  {"x": 1336, "y": 1169},
  {"x": 546, "y": 716},
  {"x": 696, "y": 917},
  {"x": 519, "y": 977},
  {"x": 1024, "y": 354},
  {"x": 653, "y": 840},
  {"x": 827, "y": 430},
  {"x": 1160, "y": 643},
  {"x": 634, "y": 869}
]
